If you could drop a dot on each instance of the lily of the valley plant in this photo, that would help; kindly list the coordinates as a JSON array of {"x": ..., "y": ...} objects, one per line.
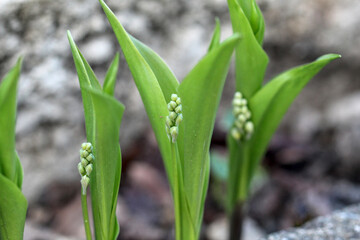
[
  {"x": 100, "y": 157},
  {"x": 257, "y": 108},
  {"x": 182, "y": 117},
  {"x": 13, "y": 204}
]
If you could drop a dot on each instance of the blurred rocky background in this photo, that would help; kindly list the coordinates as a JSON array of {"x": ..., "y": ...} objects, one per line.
[{"x": 317, "y": 141}]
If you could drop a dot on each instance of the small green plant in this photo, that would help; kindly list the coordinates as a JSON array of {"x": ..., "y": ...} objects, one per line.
[
  {"x": 266, "y": 104},
  {"x": 184, "y": 146},
  {"x": 100, "y": 157},
  {"x": 13, "y": 204}
]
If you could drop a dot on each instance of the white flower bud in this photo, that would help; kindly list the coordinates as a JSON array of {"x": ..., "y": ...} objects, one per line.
[
  {"x": 243, "y": 102},
  {"x": 178, "y": 101},
  {"x": 85, "y": 180},
  {"x": 241, "y": 118},
  {"x": 237, "y": 102},
  {"x": 81, "y": 169},
  {"x": 236, "y": 111},
  {"x": 87, "y": 146},
  {"x": 168, "y": 122},
  {"x": 174, "y": 97},
  {"x": 84, "y": 162},
  {"x": 238, "y": 95},
  {"x": 174, "y": 133},
  {"x": 172, "y": 105},
  {"x": 172, "y": 116},
  {"x": 89, "y": 169},
  {"x": 249, "y": 127},
  {"x": 178, "y": 109},
  {"x": 90, "y": 158},
  {"x": 84, "y": 153},
  {"x": 235, "y": 134},
  {"x": 247, "y": 115},
  {"x": 179, "y": 119}
]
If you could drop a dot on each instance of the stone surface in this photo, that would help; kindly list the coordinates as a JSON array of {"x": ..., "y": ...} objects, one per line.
[
  {"x": 340, "y": 225},
  {"x": 218, "y": 230},
  {"x": 50, "y": 125}
]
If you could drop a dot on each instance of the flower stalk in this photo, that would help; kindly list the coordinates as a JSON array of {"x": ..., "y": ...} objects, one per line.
[{"x": 85, "y": 168}]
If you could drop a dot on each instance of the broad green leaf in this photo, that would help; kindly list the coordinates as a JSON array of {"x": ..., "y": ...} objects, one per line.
[
  {"x": 250, "y": 58},
  {"x": 90, "y": 73},
  {"x": 238, "y": 172},
  {"x": 84, "y": 82},
  {"x": 260, "y": 31},
  {"x": 107, "y": 165},
  {"x": 200, "y": 93},
  {"x": 255, "y": 18},
  {"x": 19, "y": 173},
  {"x": 8, "y": 90},
  {"x": 165, "y": 77},
  {"x": 148, "y": 85},
  {"x": 13, "y": 207},
  {"x": 110, "y": 78},
  {"x": 215, "y": 40},
  {"x": 271, "y": 103},
  {"x": 103, "y": 115}
]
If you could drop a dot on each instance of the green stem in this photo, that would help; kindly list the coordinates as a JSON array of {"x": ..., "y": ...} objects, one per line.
[
  {"x": 176, "y": 194},
  {"x": 236, "y": 222},
  {"x": 85, "y": 215}
]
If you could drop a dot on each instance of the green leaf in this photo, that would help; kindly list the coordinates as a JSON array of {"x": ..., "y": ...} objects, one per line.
[
  {"x": 271, "y": 103},
  {"x": 110, "y": 78},
  {"x": 13, "y": 207},
  {"x": 215, "y": 40},
  {"x": 165, "y": 77},
  {"x": 8, "y": 90},
  {"x": 250, "y": 59},
  {"x": 200, "y": 93},
  {"x": 105, "y": 179},
  {"x": 148, "y": 84},
  {"x": 82, "y": 69},
  {"x": 19, "y": 173},
  {"x": 103, "y": 114},
  {"x": 255, "y": 18}
]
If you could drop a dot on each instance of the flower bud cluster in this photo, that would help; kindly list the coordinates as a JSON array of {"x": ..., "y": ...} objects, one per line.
[
  {"x": 85, "y": 165},
  {"x": 243, "y": 127},
  {"x": 175, "y": 117}
]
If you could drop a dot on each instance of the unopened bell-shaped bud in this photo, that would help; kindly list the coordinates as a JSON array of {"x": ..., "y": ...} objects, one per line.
[
  {"x": 241, "y": 118},
  {"x": 174, "y": 131},
  {"x": 237, "y": 102},
  {"x": 84, "y": 153},
  {"x": 238, "y": 95},
  {"x": 172, "y": 116},
  {"x": 85, "y": 180},
  {"x": 243, "y": 102},
  {"x": 172, "y": 105},
  {"x": 236, "y": 111},
  {"x": 84, "y": 162},
  {"x": 87, "y": 146},
  {"x": 168, "y": 122},
  {"x": 235, "y": 134},
  {"x": 174, "y": 97},
  {"x": 81, "y": 169},
  {"x": 89, "y": 169},
  {"x": 178, "y": 109},
  {"x": 249, "y": 127},
  {"x": 90, "y": 158},
  {"x": 179, "y": 119},
  {"x": 178, "y": 101}
]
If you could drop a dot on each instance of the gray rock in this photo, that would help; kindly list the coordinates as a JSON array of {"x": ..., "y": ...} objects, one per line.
[{"x": 341, "y": 225}]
